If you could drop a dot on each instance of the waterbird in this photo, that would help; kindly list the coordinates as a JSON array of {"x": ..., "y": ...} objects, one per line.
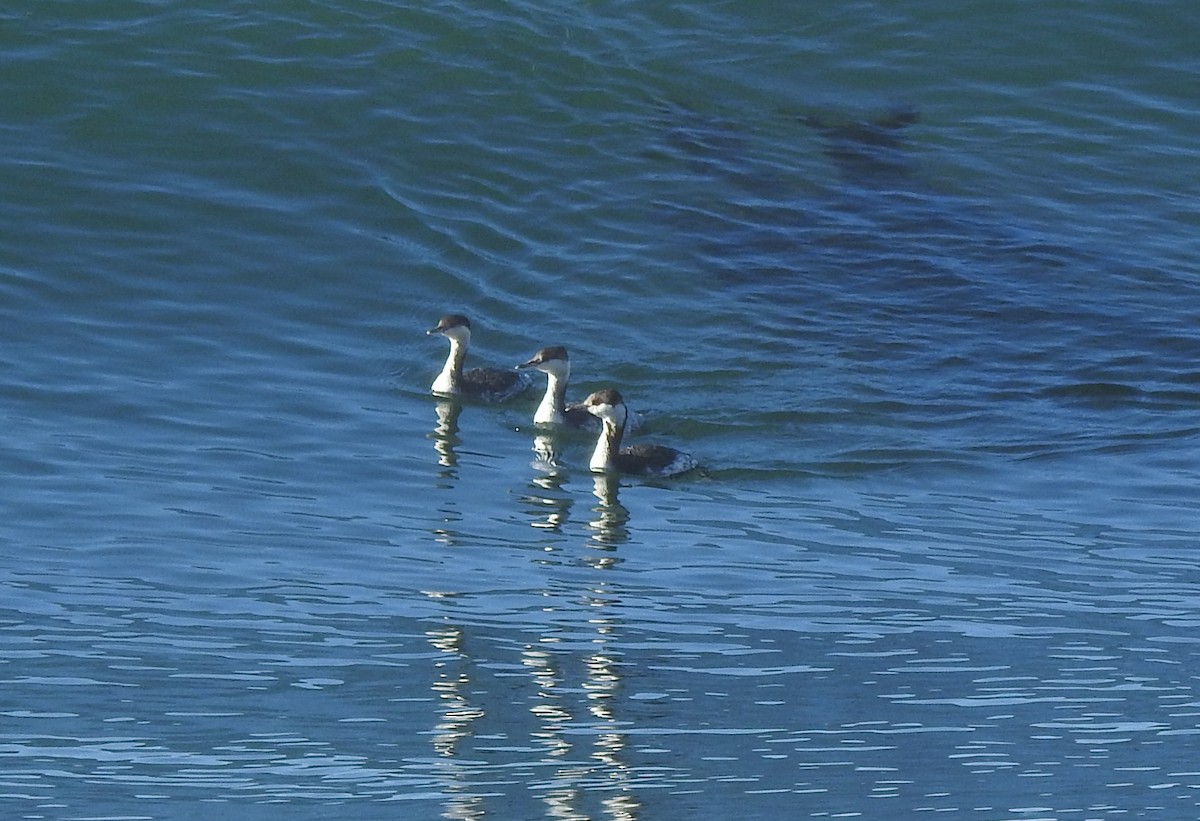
[
  {"x": 641, "y": 459},
  {"x": 484, "y": 384},
  {"x": 554, "y": 409}
]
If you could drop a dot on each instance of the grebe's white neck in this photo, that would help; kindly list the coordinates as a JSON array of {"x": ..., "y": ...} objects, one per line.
[
  {"x": 450, "y": 379},
  {"x": 556, "y": 364},
  {"x": 550, "y": 410},
  {"x": 608, "y": 406},
  {"x": 607, "y": 446}
]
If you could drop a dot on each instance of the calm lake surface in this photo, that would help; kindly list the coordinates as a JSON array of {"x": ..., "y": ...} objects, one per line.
[{"x": 917, "y": 286}]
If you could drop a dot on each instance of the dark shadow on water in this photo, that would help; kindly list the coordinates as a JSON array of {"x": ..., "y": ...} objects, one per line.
[
  {"x": 871, "y": 152},
  {"x": 754, "y": 222}
]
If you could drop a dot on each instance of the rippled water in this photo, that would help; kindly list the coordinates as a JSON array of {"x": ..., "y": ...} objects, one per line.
[{"x": 942, "y": 379}]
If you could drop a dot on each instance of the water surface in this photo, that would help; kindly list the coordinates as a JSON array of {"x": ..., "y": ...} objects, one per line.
[{"x": 942, "y": 380}]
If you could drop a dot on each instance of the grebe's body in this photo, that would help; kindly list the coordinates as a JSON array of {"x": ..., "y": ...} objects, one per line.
[
  {"x": 640, "y": 459},
  {"x": 484, "y": 384}
]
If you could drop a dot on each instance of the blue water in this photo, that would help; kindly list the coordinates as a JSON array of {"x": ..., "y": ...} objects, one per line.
[{"x": 942, "y": 378}]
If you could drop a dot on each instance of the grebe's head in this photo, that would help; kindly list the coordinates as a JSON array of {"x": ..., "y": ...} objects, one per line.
[
  {"x": 607, "y": 405},
  {"x": 453, "y": 326},
  {"x": 550, "y": 360}
]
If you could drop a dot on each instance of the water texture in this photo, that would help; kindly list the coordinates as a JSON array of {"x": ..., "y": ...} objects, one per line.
[{"x": 917, "y": 286}]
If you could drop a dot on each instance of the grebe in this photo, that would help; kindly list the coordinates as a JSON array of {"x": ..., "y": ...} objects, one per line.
[
  {"x": 554, "y": 408},
  {"x": 485, "y": 384},
  {"x": 642, "y": 459}
]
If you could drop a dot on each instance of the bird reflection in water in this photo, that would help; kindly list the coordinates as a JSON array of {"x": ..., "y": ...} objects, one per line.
[
  {"x": 602, "y": 687},
  {"x": 545, "y": 449},
  {"x": 452, "y": 687},
  {"x": 445, "y": 435},
  {"x": 445, "y": 439},
  {"x": 576, "y": 687},
  {"x": 570, "y": 695},
  {"x": 610, "y": 527},
  {"x": 575, "y": 778},
  {"x": 549, "y": 504}
]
